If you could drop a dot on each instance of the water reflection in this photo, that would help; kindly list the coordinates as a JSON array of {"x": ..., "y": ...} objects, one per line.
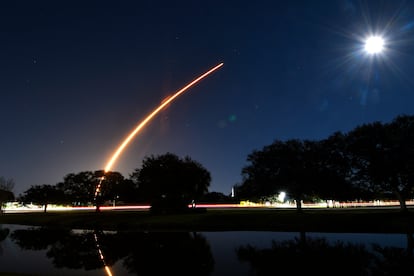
[
  {"x": 101, "y": 255},
  {"x": 96, "y": 252},
  {"x": 318, "y": 254},
  {"x": 3, "y": 235},
  {"x": 141, "y": 253},
  {"x": 66, "y": 248},
  {"x": 168, "y": 253}
]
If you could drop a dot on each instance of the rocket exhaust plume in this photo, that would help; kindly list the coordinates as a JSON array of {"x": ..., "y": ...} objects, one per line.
[{"x": 147, "y": 119}]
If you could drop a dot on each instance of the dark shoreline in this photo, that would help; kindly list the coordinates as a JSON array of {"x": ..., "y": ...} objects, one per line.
[{"x": 310, "y": 220}]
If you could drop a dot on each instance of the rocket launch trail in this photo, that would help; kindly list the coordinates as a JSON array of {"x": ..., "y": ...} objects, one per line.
[{"x": 149, "y": 117}]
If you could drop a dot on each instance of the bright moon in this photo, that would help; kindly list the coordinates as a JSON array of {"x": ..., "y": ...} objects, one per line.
[{"x": 374, "y": 45}]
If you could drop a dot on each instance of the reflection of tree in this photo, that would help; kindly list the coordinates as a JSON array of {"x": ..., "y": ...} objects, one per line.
[
  {"x": 169, "y": 253},
  {"x": 76, "y": 250},
  {"x": 144, "y": 253},
  {"x": 37, "y": 238},
  {"x": 325, "y": 258},
  {"x": 394, "y": 261},
  {"x": 3, "y": 235},
  {"x": 314, "y": 255}
]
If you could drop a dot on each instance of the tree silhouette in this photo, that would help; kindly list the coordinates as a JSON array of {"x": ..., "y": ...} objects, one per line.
[
  {"x": 4, "y": 197},
  {"x": 6, "y": 194},
  {"x": 171, "y": 183},
  {"x": 43, "y": 194},
  {"x": 115, "y": 187},
  {"x": 372, "y": 161},
  {"x": 79, "y": 188},
  {"x": 292, "y": 166},
  {"x": 383, "y": 158},
  {"x": 6, "y": 184},
  {"x": 334, "y": 163}
]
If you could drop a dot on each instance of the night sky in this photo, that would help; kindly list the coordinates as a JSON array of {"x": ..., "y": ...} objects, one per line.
[{"x": 77, "y": 77}]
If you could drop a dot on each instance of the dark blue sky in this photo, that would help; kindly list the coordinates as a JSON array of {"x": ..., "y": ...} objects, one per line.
[{"x": 77, "y": 77}]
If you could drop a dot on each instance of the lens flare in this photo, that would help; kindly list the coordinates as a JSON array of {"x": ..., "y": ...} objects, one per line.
[{"x": 147, "y": 119}]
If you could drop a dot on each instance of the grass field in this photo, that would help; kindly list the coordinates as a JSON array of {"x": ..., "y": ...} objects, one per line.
[{"x": 320, "y": 220}]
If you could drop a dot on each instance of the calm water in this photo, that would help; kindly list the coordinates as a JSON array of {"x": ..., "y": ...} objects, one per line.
[{"x": 40, "y": 251}]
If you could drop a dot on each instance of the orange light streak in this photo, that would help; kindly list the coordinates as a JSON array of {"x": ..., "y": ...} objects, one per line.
[
  {"x": 147, "y": 119},
  {"x": 108, "y": 271},
  {"x": 102, "y": 257},
  {"x": 144, "y": 122}
]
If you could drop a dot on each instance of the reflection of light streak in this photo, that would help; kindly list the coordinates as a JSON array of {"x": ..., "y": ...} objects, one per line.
[
  {"x": 107, "y": 268},
  {"x": 143, "y": 123}
]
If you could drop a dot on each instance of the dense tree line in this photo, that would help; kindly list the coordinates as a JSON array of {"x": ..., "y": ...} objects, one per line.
[
  {"x": 374, "y": 160},
  {"x": 166, "y": 182}
]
